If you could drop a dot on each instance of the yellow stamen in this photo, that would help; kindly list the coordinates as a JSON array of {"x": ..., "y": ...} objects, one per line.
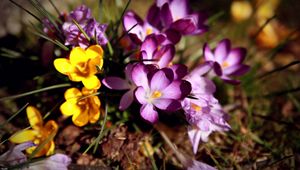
[
  {"x": 225, "y": 64},
  {"x": 196, "y": 107},
  {"x": 149, "y": 31},
  {"x": 156, "y": 94}
]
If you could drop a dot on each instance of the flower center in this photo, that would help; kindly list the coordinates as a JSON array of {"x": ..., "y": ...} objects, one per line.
[
  {"x": 149, "y": 31},
  {"x": 196, "y": 107},
  {"x": 225, "y": 64},
  {"x": 156, "y": 94}
]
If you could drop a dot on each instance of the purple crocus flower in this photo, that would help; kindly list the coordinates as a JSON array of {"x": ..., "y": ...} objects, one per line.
[
  {"x": 81, "y": 14},
  {"x": 74, "y": 37},
  {"x": 15, "y": 155},
  {"x": 203, "y": 112},
  {"x": 54, "y": 162},
  {"x": 117, "y": 83},
  {"x": 226, "y": 62},
  {"x": 137, "y": 28},
  {"x": 176, "y": 16},
  {"x": 96, "y": 30},
  {"x": 152, "y": 49},
  {"x": 158, "y": 89}
]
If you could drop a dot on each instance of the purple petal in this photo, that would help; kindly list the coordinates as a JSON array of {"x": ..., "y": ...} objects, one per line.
[
  {"x": 149, "y": 46},
  {"x": 148, "y": 113},
  {"x": 195, "y": 136},
  {"x": 236, "y": 56},
  {"x": 172, "y": 91},
  {"x": 196, "y": 165},
  {"x": 170, "y": 105},
  {"x": 201, "y": 69},
  {"x": 128, "y": 71},
  {"x": 184, "y": 26},
  {"x": 207, "y": 53},
  {"x": 160, "y": 3},
  {"x": 230, "y": 81},
  {"x": 166, "y": 15},
  {"x": 23, "y": 146},
  {"x": 165, "y": 55},
  {"x": 140, "y": 95},
  {"x": 179, "y": 71},
  {"x": 116, "y": 83},
  {"x": 243, "y": 69},
  {"x": 130, "y": 20},
  {"x": 179, "y": 9},
  {"x": 153, "y": 17},
  {"x": 222, "y": 50},
  {"x": 217, "y": 69},
  {"x": 173, "y": 35},
  {"x": 236, "y": 70},
  {"x": 161, "y": 79},
  {"x": 126, "y": 100},
  {"x": 177, "y": 90},
  {"x": 202, "y": 85},
  {"x": 139, "y": 75}
]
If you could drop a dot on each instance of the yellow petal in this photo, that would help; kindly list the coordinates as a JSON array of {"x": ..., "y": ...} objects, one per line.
[
  {"x": 77, "y": 56},
  {"x": 70, "y": 107},
  {"x": 51, "y": 127},
  {"x": 94, "y": 51},
  {"x": 81, "y": 119},
  {"x": 72, "y": 93},
  {"x": 51, "y": 148},
  {"x": 91, "y": 82},
  {"x": 75, "y": 77},
  {"x": 34, "y": 117},
  {"x": 63, "y": 65},
  {"x": 23, "y": 136},
  {"x": 94, "y": 115}
]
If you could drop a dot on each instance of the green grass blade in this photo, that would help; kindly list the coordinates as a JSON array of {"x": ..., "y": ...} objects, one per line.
[{"x": 35, "y": 91}]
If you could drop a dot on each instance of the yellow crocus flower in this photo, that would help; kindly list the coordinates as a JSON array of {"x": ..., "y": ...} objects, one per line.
[
  {"x": 38, "y": 134},
  {"x": 82, "y": 65},
  {"x": 83, "y": 106}
]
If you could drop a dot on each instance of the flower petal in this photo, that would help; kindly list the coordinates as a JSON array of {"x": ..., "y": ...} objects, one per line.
[
  {"x": 34, "y": 117},
  {"x": 222, "y": 50},
  {"x": 148, "y": 113},
  {"x": 77, "y": 56},
  {"x": 116, "y": 83},
  {"x": 167, "y": 104},
  {"x": 91, "y": 82},
  {"x": 126, "y": 100},
  {"x": 140, "y": 95},
  {"x": 149, "y": 46},
  {"x": 70, "y": 107},
  {"x": 94, "y": 110},
  {"x": 207, "y": 53},
  {"x": 236, "y": 56},
  {"x": 179, "y": 71},
  {"x": 165, "y": 55},
  {"x": 51, "y": 127},
  {"x": 166, "y": 15},
  {"x": 161, "y": 79},
  {"x": 81, "y": 119},
  {"x": 63, "y": 65},
  {"x": 72, "y": 93},
  {"x": 139, "y": 75},
  {"x": 195, "y": 136},
  {"x": 173, "y": 91},
  {"x": 23, "y": 136}
]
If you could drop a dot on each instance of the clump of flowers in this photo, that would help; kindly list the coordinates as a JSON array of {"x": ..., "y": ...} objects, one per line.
[
  {"x": 39, "y": 133},
  {"x": 151, "y": 76}
]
